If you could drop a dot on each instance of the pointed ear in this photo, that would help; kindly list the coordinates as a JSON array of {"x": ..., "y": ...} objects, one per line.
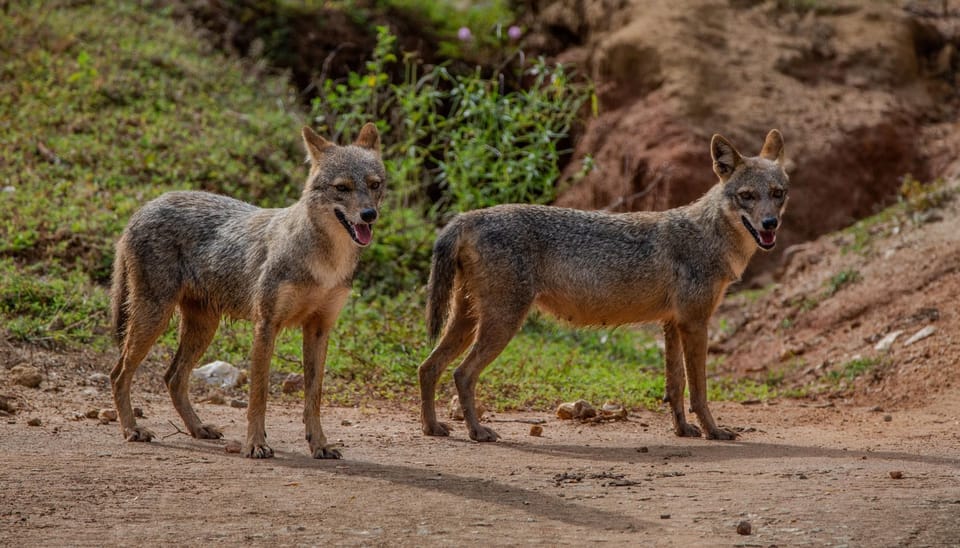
[
  {"x": 725, "y": 157},
  {"x": 773, "y": 147},
  {"x": 369, "y": 137},
  {"x": 315, "y": 144}
]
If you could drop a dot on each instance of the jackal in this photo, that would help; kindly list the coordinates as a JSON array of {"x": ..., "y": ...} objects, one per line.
[
  {"x": 492, "y": 265},
  {"x": 211, "y": 256}
]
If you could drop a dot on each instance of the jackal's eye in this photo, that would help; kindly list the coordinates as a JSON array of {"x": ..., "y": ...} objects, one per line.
[
  {"x": 746, "y": 195},
  {"x": 342, "y": 188},
  {"x": 777, "y": 193},
  {"x": 374, "y": 184}
]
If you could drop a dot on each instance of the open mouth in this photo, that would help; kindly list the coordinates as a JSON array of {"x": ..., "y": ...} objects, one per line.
[
  {"x": 361, "y": 233},
  {"x": 766, "y": 239}
]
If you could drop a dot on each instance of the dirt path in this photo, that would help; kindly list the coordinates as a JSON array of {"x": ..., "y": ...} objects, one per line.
[{"x": 801, "y": 475}]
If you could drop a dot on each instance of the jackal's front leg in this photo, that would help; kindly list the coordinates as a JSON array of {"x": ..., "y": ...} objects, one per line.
[
  {"x": 694, "y": 339},
  {"x": 673, "y": 354},
  {"x": 263, "y": 342},
  {"x": 316, "y": 334}
]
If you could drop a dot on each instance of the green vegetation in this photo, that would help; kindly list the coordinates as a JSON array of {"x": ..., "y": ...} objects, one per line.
[
  {"x": 106, "y": 106},
  {"x": 840, "y": 280},
  {"x": 855, "y": 368}
]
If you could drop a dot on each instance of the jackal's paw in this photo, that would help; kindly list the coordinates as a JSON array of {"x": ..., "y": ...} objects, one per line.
[
  {"x": 207, "y": 432},
  {"x": 482, "y": 433},
  {"x": 137, "y": 433},
  {"x": 259, "y": 451},
  {"x": 437, "y": 429},
  {"x": 687, "y": 430},
  {"x": 721, "y": 434},
  {"x": 327, "y": 453}
]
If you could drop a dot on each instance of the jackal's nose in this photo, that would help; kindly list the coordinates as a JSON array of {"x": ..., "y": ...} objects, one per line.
[
  {"x": 368, "y": 215},
  {"x": 769, "y": 223}
]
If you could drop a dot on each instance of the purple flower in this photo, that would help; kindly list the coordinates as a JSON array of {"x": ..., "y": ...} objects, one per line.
[
  {"x": 464, "y": 34},
  {"x": 514, "y": 32}
]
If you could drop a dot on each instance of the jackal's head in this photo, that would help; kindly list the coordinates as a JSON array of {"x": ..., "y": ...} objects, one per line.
[
  {"x": 755, "y": 187},
  {"x": 346, "y": 181}
]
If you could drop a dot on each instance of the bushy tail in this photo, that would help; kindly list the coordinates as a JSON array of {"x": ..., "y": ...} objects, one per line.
[
  {"x": 119, "y": 293},
  {"x": 443, "y": 269}
]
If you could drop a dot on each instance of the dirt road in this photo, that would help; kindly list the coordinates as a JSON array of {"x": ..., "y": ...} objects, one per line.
[{"x": 801, "y": 474}]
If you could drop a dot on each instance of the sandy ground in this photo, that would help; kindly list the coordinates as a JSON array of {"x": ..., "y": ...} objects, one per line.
[{"x": 800, "y": 474}]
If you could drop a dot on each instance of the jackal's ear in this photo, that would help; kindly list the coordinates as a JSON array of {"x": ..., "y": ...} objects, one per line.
[
  {"x": 369, "y": 137},
  {"x": 316, "y": 145},
  {"x": 725, "y": 157},
  {"x": 773, "y": 147}
]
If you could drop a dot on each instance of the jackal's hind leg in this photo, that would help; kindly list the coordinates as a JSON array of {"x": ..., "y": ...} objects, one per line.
[
  {"x": 145, "y": 323},
  {"x": 496, "y": 327},
  {"x": 457, "y": 336},
  {"x": 197, "y": 327}
]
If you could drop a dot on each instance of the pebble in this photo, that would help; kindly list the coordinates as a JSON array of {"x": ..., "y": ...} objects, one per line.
[
  {"x": 664, "y": 516},
  {"x": 456, "y": 410},
  {"x": 896, "y": 474},
  {"x": 92, "y": 413},
  {"x": 887, "y": 418},
  {"x": 536, "y": 430},
  {"x": 99, "y": 378},
  {"x": 886, "y": 342},
  {"x": 107, "y": 416},
  {"x": 744, "y": 528},
  {"x": 580, "y": 409},
  {"x": 8, "y": 405},
  {"x": 920, "y": 335},
  {"x": 26, "y": 375},
  {"x": 35, "y": 421},
  {"x": 138, "y": 412},
  {"x": 233, "y": 446},
  {"x": 239, "y": 404},
  {"x": 292, "y": 384}
]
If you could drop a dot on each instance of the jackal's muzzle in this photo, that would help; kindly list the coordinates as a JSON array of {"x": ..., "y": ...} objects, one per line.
[
  {"x": 766, "y": 237},
  {"x": 361, "y": 232}
]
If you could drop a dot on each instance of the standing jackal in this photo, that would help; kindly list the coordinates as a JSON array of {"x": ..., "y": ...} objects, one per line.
[
  {"x": 593, "y": 268},
  {"x": 211, "y": 255}
]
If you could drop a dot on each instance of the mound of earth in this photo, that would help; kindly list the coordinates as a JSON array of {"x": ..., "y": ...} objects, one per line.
[
  {"x": 866, "y": 314},
  {"x": 864, "y": 92}
]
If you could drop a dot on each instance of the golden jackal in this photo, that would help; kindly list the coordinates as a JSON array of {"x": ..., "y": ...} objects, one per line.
[
  {"x": 593, "y": 268},
  {"x": 211, "y": 255}
]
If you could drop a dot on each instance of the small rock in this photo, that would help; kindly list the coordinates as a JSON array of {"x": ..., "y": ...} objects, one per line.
[
  {"x": 580, "y": 409},
  {"x": 107, "y": 416},
  {"x": 664, "y": 516},
  {"x": 744, "y": 528},
  {"x": 887, "y": 418},
  {"x": 7, "y": 405},
  {"x": 292, "y": 384},
  {"x": 896, "y": 474},
  {"x": 456, "y": 410},
  {"x": 885, "y": 343},
  {"x": 920, "y": 335},
  {"x": 233, "y": 446},
  {"x": 99, "y": 378},
  {"x": 218, "y": 373},
  {"x": 643, "y": 449},
  {"x": 92, "y": 413},
  {"x": 35, "y": 421},
  {"x": 216, "y": 398},
  {"x": 536, "y": 430},
  {"x": 238, "y": 404},
  {"x": 138, "y": 412},
  {"x": 26, "y": 375},
  {"x": 346, "y": 422}
]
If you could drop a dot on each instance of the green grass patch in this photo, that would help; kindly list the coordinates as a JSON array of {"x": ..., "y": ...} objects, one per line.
[{"x": 854, "y": 368}]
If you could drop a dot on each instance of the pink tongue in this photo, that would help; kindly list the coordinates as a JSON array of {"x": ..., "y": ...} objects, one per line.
[
  {"x": 364, "y": 234},
  {"x": 767, "y": 237}
]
